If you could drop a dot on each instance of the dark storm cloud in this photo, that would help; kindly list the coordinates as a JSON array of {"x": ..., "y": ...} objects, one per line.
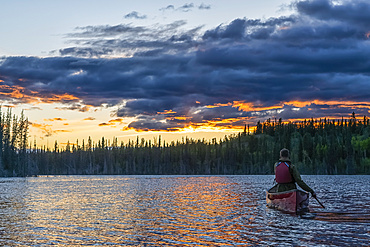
[
  {"x": 146, "y": 123},
  {"x": 85, "y": 52},
  {"x": 169, "y": 77},
  {"x": 352, "y": 12}
]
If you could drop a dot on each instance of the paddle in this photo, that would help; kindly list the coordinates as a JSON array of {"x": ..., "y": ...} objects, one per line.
[{"x": 318, "y": 201}]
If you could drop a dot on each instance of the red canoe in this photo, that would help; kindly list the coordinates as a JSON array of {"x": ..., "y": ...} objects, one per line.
[{"x": 291, "y": 201}]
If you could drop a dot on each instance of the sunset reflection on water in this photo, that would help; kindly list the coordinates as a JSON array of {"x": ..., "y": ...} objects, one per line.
[{"x": 161, "y": 210}]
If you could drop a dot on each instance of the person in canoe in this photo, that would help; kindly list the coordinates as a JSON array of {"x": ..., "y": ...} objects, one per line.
[{"x": 287, "y": 175}]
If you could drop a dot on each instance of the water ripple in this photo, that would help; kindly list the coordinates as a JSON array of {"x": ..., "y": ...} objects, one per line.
[{"x": 177, "y": 211}]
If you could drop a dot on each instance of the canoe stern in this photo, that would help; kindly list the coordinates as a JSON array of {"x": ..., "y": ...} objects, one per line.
[{"x": 292, "y": 201}]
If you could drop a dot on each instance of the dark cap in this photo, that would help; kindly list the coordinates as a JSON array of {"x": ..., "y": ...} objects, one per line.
[{"x": 284, "y": 153}]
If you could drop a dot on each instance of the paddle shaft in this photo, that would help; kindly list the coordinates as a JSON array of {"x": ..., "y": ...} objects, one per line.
[{"x": 319, "y": 202}]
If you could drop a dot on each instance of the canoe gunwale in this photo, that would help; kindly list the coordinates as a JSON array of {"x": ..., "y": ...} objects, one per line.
[{"x": 284, "y": 192}]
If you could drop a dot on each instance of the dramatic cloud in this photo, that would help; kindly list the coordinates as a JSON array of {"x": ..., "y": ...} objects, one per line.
[
  {"x": 128, "y": 40},
  {"x": 19, "y": 94},
  {"x": 314, "y": 63}
]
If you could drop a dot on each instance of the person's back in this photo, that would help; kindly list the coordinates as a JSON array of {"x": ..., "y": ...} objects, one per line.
[{"x": 287, "y": 175}]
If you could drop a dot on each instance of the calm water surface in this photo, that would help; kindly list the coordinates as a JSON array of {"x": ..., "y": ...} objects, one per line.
[{"x": 177, "y": 210}]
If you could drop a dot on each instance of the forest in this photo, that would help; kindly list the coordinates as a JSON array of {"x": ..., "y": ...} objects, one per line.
[{"x": 318, "y": 146}]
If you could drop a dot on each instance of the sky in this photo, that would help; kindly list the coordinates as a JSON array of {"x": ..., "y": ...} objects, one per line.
[{"x": 200, "y": 69}]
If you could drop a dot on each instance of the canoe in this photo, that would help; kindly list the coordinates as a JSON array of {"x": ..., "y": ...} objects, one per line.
[{"x": 291, "y": 201}]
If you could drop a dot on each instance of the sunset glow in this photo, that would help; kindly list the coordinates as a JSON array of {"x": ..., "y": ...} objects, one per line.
[{"x": 196, "y": 70}]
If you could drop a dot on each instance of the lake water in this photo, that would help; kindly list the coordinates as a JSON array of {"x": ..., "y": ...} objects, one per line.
[{"x": 177, "y": 210}]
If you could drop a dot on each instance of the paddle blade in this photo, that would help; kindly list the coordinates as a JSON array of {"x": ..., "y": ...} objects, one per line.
[{"x": 319, "y": 202}]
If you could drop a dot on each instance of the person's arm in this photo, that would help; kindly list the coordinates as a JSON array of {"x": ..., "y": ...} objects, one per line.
[{"x": 299, "y": 181}]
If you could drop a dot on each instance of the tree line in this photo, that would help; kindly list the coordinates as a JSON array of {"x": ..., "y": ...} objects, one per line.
[
  {"x": 318, "y": 146},
  {"x": 13, "y": 144}
]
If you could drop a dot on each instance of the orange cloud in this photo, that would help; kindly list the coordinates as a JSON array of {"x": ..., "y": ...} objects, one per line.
[
  {"x": 16, "y": 92},
  {"x": 247, "y": 106},
  {"x": 166, "y": 112},
  {"x": 284, "y": 28},
  {"x": 237, "y": 123},
  {"x": 112, "y": 122},
  {"x": 222, "y": 124},
  {"x": 182, "y": 118},
  {"x": 218, "y": 105},
  {"x": 106, "y": 124},
  {"x": 9, "y": 106},
  {"x": 243, "y": 106},
  {"x": 37, "y": 125},
  {"x": 89, "y": 119},
  {"x": 333, "y": 103},
  {"x": 46, "y": 129},
  {"x": 126, "y": 128},
  {"x": 55, "y": 119},
  {"x": 60, "y": 98},
  {"x": 28, "y": 96},
  {"x": 117, "y": 120}
]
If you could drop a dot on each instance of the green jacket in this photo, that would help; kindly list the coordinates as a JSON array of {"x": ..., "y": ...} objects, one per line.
[{"x": 296, "y": 177}]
